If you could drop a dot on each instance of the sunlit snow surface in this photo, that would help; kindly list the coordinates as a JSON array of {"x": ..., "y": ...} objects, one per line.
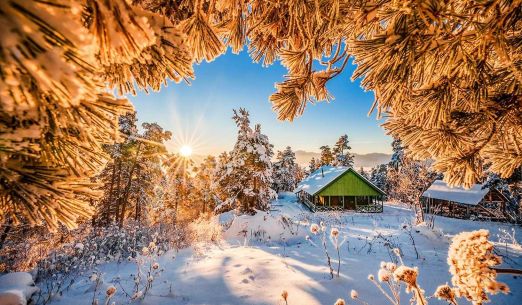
[{"x": 250, "y": 267}]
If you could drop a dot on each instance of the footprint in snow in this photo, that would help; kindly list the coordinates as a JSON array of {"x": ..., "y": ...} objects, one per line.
[
  {"x": 246, "y": 270},
  {"x": 245, "y": 281}
]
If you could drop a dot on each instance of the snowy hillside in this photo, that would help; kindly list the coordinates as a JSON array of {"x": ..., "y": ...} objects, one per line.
[{"x": 268, "y": 253}]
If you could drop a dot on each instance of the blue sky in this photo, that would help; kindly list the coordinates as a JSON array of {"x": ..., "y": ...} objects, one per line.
[{"x": 200, "y": 114}]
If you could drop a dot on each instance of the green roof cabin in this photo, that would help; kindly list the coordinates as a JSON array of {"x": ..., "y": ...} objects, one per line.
[{"x": 339, "y": 188}]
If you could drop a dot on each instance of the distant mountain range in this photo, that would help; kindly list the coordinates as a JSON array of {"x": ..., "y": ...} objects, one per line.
[
  {"x": 361, "y": 160},
  {"x": 304, "y": 157}
]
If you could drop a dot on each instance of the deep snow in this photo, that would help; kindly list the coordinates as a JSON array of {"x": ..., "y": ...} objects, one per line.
[{"x": 263, "y": 255}]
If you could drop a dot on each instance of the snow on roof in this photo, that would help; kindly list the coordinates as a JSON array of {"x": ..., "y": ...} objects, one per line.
[
  {"x": 440, "y": 190},
  {"x": 320, "y": 178}
]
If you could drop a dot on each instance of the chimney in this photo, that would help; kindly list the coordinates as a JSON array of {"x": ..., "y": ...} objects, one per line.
[{"x": 322, "y": 171}]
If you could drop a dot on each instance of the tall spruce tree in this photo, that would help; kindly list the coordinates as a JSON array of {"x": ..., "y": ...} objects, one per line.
[
  {"x": 341, "y": 151},
  {"x": 312, "y": 166},
  {"x": 285, "y": 171},
  {"x": 246, "y": 179},
  {"x": 378, "y": 176},
  {"x": 327, "y": 158},
  {"x": 205, "y": 175}
]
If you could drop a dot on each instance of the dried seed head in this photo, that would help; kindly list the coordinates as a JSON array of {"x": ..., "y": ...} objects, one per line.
[
  {"x": 354, "y": 294},
  {"x": 314, "y": 228},
  {"x": 334, "y": 233},
  {"x": 340, "y": 302},
  {"x": 284, "y": 295},
  {"x": 445, "y": 292},
  {"x": 407, "y": 275},
  {"x": 111, "y": 290}
]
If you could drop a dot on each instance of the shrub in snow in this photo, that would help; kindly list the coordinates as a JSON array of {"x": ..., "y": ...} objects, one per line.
[
  {"x": 471, "y": 259},
  {"x": 16, "y": 288},
  {"x": 205, "y": 230},
  {"x": 334, "y": 236}
]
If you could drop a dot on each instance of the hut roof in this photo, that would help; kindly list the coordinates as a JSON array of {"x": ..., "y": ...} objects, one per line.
[
  {"x": 326, "y": 175},
  {"x": 440, "y": 190}
]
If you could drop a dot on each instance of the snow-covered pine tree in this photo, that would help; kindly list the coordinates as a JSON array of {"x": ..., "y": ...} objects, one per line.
[
  {"x": 408, "y": 179},
  {"x": 285, "y": 171},
  {"x": 312, "y": 166},
  {"x": 246, "y": 179},
  {"x": 378, "y": 177},
  {"x": 203, "y": 180},
  {"x": 179, "y": 199},
  {"x": 327, "y": 158},
  {"x": 364, "y": 173},
  {"x": 397, "y": 157},
  {"x": 342, "y": 154}
]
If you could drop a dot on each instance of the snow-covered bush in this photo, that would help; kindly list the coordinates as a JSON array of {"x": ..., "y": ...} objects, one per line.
[
  {"x": 204, "y": 231},
  {"x": 100, "y": 245}
]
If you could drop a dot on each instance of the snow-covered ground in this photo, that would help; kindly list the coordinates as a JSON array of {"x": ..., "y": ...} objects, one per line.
[{"x": 263, "y": 255}]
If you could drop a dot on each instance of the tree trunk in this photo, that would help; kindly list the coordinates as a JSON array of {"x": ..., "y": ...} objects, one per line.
[
  {"x": 111, "y": 193},
  {"x": 419, "y": 213},
  {"x": 116, "y": 204},
  {"x": 7, "y": 229},
  {"x": 126, "y": 192},
  {"x": 138, "y": 197}
]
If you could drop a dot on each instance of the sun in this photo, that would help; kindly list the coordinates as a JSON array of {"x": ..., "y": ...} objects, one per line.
[{"x": 185, "y": 151}]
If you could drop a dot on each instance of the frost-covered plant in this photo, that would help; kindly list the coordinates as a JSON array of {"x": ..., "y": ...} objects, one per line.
[
  {"x": 446, "y": 293},
  {"x": 284, "y": 295},
  {"x": 385, "y": 276},
  {"x": 204, "y": 231},
  {"x": 315, "y": 229},
  {"x": 148, "y": 269},
  {"x": 109, "y": 293},
  {"x": 408, "y": 275},
  {"x": 96, "y": 279},
  {"x": 471, "y": 260},
  {"x": 508, "y": 238},
  {"x": 334, "y": 235}
]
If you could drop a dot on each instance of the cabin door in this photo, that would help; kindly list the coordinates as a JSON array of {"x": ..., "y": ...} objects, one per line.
[{"x": 349, "y": 202}]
